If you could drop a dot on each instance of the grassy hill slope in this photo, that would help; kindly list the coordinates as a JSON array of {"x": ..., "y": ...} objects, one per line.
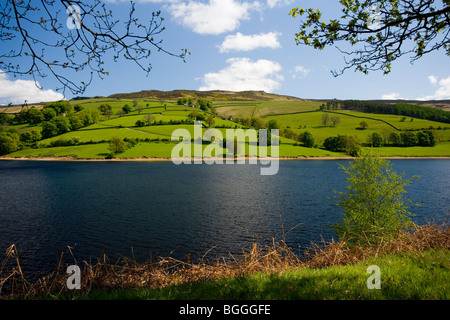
[{"x": 291, "y": 114}]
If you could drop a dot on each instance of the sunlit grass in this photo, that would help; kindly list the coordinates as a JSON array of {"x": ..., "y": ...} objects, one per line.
[
  {"x": 300, "y": 116},
  {"x": 403, "y": 276}
]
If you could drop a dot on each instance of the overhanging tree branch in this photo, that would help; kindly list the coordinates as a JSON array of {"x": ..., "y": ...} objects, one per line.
[
  {"x": 80, "y": 33},
  {"x": 414, "y": 27}
]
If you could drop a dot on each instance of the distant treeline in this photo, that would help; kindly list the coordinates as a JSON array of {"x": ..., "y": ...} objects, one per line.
[{"x": 403, "y": 109}]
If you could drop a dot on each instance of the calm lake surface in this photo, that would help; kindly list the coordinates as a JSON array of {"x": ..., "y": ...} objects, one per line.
[{"x": 158, "y": 209}]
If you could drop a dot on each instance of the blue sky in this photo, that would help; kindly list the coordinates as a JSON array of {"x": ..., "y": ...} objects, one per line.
[{"x": 246, "y": 45}]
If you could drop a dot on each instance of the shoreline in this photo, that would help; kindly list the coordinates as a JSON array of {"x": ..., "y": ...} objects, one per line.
[{"x": 73, "y": 159}]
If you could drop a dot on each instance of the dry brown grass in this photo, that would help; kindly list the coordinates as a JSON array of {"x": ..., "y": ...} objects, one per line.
[
  {"x": 341, "y": 253},
  {"x": 164, "y": 272}
]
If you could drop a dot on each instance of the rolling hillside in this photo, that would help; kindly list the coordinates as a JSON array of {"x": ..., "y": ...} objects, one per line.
[{"x": 154, "y": 115}]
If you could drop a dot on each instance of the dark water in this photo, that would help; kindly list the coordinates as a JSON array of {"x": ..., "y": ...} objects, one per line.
[{"x": 161, "y": 209}]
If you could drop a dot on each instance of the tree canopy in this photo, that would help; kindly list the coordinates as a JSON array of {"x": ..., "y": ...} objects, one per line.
[{"x": 378, "y": 32}]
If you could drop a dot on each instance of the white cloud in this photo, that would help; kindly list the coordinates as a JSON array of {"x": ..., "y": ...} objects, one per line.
[
  {"x": 433, "y": 80},
  {"x": 244, "y": 74},
  {"x": 442, "y": 92},
  {"x": 240, "y": 42},
  {"x": 17, "y": 91},
  {"x": 279, "y": 3},
  {"x": 300, "y": 72},
  {"x": 214, "y": 17},
  {"x": 391, "y": 96}
]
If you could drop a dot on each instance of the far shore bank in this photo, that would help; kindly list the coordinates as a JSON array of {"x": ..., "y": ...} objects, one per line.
[{"x": 193, "y": 159}]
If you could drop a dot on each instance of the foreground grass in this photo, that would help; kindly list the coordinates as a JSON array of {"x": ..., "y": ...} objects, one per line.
[{"x": 421, "y": 275}]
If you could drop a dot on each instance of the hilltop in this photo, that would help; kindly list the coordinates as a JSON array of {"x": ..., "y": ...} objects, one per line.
[
  {"x": 223, "y": 95},
  {"x": 216, "y": 95}
]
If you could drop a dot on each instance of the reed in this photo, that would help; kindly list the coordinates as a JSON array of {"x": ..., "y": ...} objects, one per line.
[{"x": 125, "y": 273}]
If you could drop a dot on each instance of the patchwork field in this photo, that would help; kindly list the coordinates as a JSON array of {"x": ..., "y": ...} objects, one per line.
[{"x": 153, "y": 141}]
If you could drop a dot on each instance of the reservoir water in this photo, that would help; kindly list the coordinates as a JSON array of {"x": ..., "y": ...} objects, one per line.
[{"x": 145, "y": 209}]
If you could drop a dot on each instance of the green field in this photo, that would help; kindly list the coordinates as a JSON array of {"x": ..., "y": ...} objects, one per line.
[
  {"x": 154, "y": 149},
  {"x": 299, "y": 116},
  {"x": 248, "y": 109}
]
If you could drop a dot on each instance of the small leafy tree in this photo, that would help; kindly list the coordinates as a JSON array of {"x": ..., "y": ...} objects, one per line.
[
  {"x": 137, "y": 106},
  {"x": 325, "y": 119},
  {"x": 335, "y": 120},
  {"x": 127, "y": 109},
  {"x": 103, "y": 108},
  {"x": 49, "y": 129},
  {"x": 352, "y": 146},
  {"x": 308, "y": 139},
  {"x": 193, "y": 115},
  {"x": 426, "y": 139},
  {"x": 273, "y": 124},
  {"x": 109, "y": 113},
  {"x": 8, "y": 143},
  {"x": 30, "y": 136},
  {"x": 140, "y": 123},
  {"x": 363, "y": 125},
  {"x": 374, "y": 206},
  {"x": 376, "y": 140},
  {"x": 117, "y": 145},
  {"x": 258, "y": 123},
  {"x": 336, "y": 144},
  {"x": 409, "y": 139},
  {"x": 395, "y": 139},
  {"x": 62, "y": 124},
  {"x": 149, "y": 118},
  {"x": 289, "y": 133},
  {"x": 210, "y": 122}
]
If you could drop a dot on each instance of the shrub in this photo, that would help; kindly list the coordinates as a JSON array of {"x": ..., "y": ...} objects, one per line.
[
  {"x": 308, "y": 140},
  {"x": 426, "y": 139},
  {"x": 409, "y": 139},
  {"x": 30, "y": 137},
  {"x": 363, "y": 125},
  {"x": 9, "y": 143},
  {"x": 336, "y": 144},
  {"x": 376, "y": 140},
  {"x": 117, "y": 145},
  {"x": 49, "y": 129},
  {"x": 374, "y": 206},
  {"x": 126, "y": 109},
  {"x": 395, "y": 139},
  {"x": 140, "y": 123}
]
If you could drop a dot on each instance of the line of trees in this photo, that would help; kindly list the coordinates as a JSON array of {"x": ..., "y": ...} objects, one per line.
[
  {"x": 330, "y": 105},
  {"x": 146, "y": 122},
  {"x": 150, "y": 120},
  {"x": 342, "y": 143},
  {"x": 352, "y": 145},
  {"x": 203, "y": 104},
  {"x": 404, "y": 109},
  {"x": 424, "y": 138}
]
